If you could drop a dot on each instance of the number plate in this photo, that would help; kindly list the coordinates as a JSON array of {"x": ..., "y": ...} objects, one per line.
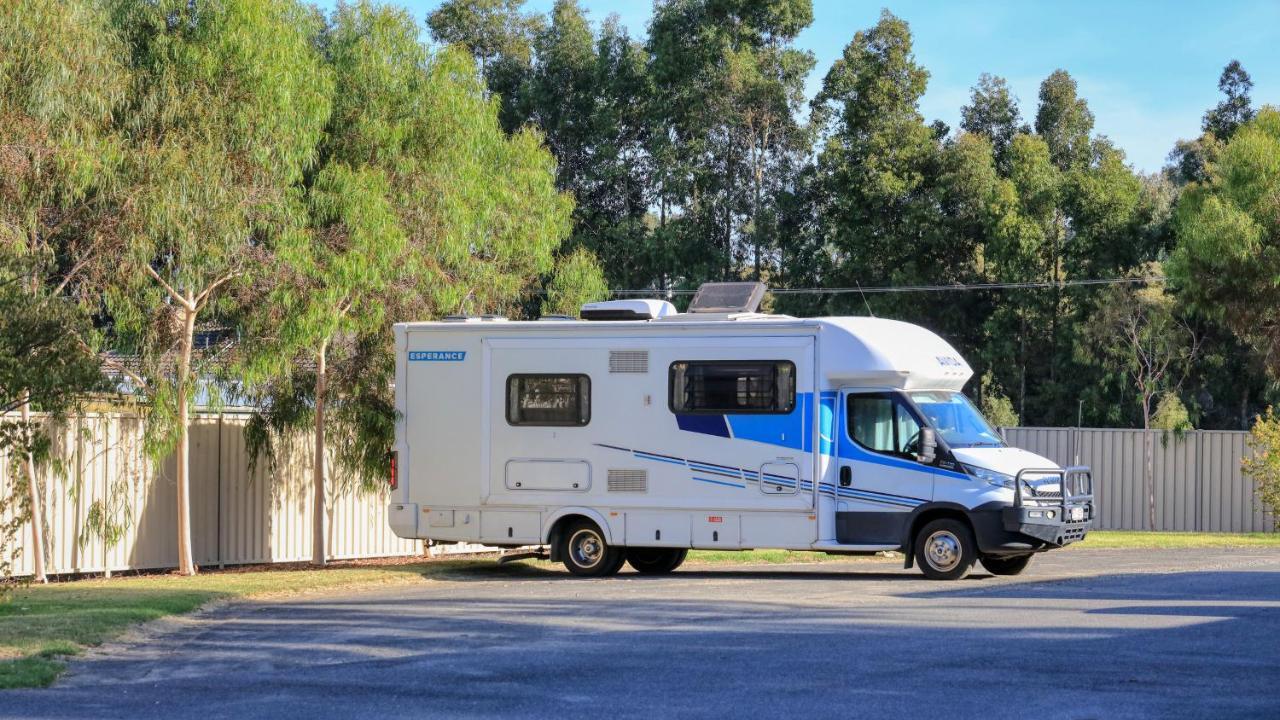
[{"x": 1075, "y": 513}]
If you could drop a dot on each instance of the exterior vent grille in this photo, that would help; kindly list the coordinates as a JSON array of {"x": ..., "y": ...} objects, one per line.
[
  {"x": 628, "y": 361},
  {"x": 628, "y": 481}
]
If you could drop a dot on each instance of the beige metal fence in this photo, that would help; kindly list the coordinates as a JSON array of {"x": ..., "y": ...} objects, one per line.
[
  {"x": 1198, "y": 481},
  {"x": 238, "y": 516}
]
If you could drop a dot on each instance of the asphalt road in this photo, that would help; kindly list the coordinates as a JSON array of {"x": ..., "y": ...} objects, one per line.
[{"x": 1084, "y": 634}]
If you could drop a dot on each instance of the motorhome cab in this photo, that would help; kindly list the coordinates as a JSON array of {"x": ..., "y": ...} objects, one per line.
[{"x": 637, "y": 433}]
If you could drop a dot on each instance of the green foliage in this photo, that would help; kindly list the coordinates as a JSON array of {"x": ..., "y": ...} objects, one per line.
[
  {"x": 1064, "y": 121},
  {"x": 992, "y": 111},
  {"x": 1136, "y": 333},
  {"x": 421, "y": 205},
  {"x": 226, "y": 108},
  {"x": 1228, "y": 229},
  {"x": 1171, "y": 415},
  {"x": 996, "y": 406},
  {"x": 1236, "y": 108},
  {"x": 1263, "y": 466},
  {"x": 61, "y": 79},
  {"x": 578, "y": 280}
]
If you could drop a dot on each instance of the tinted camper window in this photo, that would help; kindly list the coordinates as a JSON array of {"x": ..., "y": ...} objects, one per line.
[
  {"x": 555, "y": 400},
  {"x": 732, "y": 386}
]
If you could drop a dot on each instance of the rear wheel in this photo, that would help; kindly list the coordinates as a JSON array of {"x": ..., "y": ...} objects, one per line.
[
  {"x": 1007, "y": 565},
  {"x": 587, "y": 554},
  {"x": 655, "y": 561},
  {"x": 945, "y": 550}
]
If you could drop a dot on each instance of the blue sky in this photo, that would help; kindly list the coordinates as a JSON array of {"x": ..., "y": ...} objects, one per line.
[{"x": 1148, "y": 69}]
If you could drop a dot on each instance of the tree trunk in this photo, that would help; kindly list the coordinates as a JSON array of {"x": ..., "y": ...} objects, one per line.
[
  {"x": 1149, "y": 480},
  {"x": 318, "y": 516},
  {"x": 662, "y": 244},
  {"x": 33, "y": 501},
  {"x": 186, "y": 563},
  {"x": 755, "y": 217}
]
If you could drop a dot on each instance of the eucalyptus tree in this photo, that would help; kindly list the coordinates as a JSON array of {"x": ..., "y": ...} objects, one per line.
[
  {"x": 993, "y": 112},
  {"x": 587, "y": 91},
  {"x": 227, "y": 105},
  {"x": 421, "y": 206},
  {"x": 728, "y": 85},
  {"x": 499, "y": 35},
  {"x": 1228, "y": 253},
  {"x": 875, "y": 160},
  {"x": 61, "y": 78}
]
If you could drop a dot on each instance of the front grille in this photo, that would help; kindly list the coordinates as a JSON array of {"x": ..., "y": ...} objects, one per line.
[
  {"x": 628, "y": 480},
  {"x": 628, "y": 361}
]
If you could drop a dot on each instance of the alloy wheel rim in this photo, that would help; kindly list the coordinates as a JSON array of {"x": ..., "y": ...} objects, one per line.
[
  {"x": 587, "y": 548},
  {"x": 942, "y": 550}
]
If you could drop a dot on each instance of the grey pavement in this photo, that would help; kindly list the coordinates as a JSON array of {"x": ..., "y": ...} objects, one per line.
[{"x": 1083, "y": 634}]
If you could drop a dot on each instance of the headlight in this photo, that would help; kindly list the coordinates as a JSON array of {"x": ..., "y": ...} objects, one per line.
[{"x": 990, "y": 476}]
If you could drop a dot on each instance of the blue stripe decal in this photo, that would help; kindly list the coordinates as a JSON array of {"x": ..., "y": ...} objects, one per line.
[
  {"x": 877, "y": 501},
  {"x": 715, "y": 465},
  {"x": 706, "y": 424},
  {"x": 718, "y": 482},
  {"x": 708, "y": 471},
  {"x": 659, "y": 458}
]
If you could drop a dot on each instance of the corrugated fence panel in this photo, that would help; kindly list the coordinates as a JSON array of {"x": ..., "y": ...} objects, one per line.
[
  {"x": 253, "y": 516},
  {"x": 1198, "y": 481},
  {"x": 238, "y": 516}
]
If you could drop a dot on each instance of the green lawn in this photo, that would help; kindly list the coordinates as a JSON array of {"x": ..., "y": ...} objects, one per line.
[
  {"x": 41, "y": 625},
  {"x": 1166, "y": 540}
]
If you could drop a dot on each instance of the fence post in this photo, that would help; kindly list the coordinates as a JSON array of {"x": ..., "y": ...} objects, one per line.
[{"x": 217, "y": 485}]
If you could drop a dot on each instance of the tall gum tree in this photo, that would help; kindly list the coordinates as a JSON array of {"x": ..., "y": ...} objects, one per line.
[
  {"x": 227, "y": 106},
  {"x": 421, "y": 205},
  {"x": 61, "y": 78}
]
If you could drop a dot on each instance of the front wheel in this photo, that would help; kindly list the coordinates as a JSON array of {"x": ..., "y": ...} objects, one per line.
[
  {"x": 655, "y": 561},
  {"x": 945, "y": 550},
  {"x": 586, "y": 553},
  {"x": 1008, "y": 565}
]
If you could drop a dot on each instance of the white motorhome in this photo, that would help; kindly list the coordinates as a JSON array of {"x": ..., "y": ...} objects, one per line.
[{"x": 637, "y": 433}]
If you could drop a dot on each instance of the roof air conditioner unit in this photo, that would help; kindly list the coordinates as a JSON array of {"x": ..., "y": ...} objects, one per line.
[{"x": 627, "y": 310}]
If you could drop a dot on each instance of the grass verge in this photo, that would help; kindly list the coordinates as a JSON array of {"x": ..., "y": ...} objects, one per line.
[
  {"x": 1144, "y": 540},
  {"x": 41, "y": 625}
]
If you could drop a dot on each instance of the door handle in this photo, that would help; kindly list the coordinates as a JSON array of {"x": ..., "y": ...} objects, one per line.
[{"x": 846, "y": 476}]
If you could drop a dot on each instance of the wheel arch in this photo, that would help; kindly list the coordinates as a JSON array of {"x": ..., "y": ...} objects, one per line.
[
  {"x": 557, "y": 521},
  {"x": 925, "y": 514}
]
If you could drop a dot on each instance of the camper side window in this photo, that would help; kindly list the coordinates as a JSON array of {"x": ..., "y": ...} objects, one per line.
[
  {"x": 737, "y": 386},
  {"x": 549, "y": 400},
  {"x": 882, "y": 422}
]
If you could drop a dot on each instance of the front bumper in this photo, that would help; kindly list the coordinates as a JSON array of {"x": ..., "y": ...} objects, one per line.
[{"x": 1039, "y": 521}]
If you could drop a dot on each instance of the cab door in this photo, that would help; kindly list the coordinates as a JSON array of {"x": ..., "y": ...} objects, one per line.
[{"x": 879, "y": 481}]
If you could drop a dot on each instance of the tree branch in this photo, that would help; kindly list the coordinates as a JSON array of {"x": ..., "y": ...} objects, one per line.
[{"x": 177, "y": 297}]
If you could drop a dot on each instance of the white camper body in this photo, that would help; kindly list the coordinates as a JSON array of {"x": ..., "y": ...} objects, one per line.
[{"x": 716, "y": 431}]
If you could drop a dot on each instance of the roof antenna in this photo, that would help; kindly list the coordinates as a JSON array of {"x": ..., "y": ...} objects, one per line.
[{"x": 864, "y": 298}]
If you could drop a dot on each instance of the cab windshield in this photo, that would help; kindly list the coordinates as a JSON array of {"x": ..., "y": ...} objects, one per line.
[{"x": 955, "y": 419}]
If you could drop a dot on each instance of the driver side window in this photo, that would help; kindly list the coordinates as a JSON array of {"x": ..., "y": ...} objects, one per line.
[{"x": 882, "y": 422}]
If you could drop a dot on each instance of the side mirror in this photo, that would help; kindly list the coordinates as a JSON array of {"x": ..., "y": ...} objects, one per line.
[{"x": 928, "y": 446}]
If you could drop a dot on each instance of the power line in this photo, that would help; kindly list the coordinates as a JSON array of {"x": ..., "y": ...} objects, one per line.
[{"x": 921, "y": 288}]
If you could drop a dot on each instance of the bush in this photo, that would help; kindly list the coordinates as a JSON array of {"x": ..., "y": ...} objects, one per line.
[
  {"x": 1264, "y": 464},
  {"x": 997, "y": 408},
  {"x": 1171, "y": 415}
]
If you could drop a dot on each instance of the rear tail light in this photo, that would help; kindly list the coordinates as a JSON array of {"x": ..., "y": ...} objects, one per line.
[{"x": 393, "y": 462}]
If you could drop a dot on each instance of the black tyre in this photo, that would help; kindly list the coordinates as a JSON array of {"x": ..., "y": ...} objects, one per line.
[
  {"x": 1007, "y": 565},
  {"x": 655, "y": 561},
  {"x": 587, "y": 554},
  {"x": 945, "y": 550}
]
